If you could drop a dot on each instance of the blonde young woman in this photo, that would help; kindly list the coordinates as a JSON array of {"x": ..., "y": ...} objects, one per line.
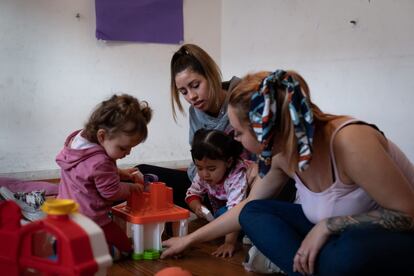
[{"x": 355, "y": 186}]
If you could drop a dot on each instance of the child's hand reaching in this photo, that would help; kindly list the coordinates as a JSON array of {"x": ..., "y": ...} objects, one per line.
[
  {"x": 126, "y": 189},
  {"x": 229, "y": 247},
  {"x": 136, "y": 188},
  {"x": 225, "y": 250},
  {"x": 132, "y": 174},
  {"x": 196, "y": 207}
]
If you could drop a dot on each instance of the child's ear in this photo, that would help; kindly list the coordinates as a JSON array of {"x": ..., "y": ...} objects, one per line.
[
  {"x": 100, "y": 135},
  {"x": 229, "y": 162}
]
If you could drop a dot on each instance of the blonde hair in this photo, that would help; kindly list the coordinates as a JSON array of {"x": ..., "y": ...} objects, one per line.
[
  {"x": 192, "y": 57},
  {"x": 119, "y": 114},
  {"x": 284, "y": 138}
]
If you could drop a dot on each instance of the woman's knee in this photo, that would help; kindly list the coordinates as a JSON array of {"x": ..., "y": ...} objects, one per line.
[{"x": 367, "y": 251}]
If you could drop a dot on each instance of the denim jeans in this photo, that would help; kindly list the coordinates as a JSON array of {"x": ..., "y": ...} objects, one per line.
[
  {"x": 220, "y": 211},
  {"x": 278, "y": 228}
]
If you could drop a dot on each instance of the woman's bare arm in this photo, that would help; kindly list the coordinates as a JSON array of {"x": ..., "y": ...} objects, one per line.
[
  {"x": 388, "y": 219},
  {"x": 270, "y": 185},
  {"x": 363, "y": 158}
]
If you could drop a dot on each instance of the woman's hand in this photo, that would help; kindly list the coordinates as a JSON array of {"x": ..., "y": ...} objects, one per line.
[
  {"x": 225, "y": 250},
  {"x": 304, "y": 260},
  {"x": 174, "y": 246},
  {"x": 132, "y": 174}
]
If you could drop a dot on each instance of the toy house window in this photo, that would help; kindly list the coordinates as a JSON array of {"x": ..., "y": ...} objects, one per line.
[{"x": 44, "y": 245}]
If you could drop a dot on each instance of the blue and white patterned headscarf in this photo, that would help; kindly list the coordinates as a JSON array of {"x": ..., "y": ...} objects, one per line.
[{"x": 262, "y": 117}]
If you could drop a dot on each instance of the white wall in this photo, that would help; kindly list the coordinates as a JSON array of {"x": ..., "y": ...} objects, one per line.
[
  {"x": 53, "y": 72},
  {"x": 365, "y": 70}
]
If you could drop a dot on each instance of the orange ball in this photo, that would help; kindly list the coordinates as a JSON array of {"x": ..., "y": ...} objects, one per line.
[{"x": 173, "y": 271}]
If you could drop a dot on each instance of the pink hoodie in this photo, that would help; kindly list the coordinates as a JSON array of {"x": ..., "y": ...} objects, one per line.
[{"x": 90, "y": 177}]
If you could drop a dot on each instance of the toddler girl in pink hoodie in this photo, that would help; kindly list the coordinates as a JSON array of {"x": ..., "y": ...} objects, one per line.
[{"x": 89, "y": 174}]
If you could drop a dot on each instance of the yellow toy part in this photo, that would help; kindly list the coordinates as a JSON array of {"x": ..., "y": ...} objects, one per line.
[{"x": 59, "y": 206}]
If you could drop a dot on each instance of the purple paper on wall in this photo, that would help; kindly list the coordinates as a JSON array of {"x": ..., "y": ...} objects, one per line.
[{"x": 158, "y": 21}]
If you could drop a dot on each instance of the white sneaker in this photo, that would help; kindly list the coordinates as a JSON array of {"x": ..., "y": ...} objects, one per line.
[
  {"x": 246, "y": 240},
  {"x": 257, "y": 262}
]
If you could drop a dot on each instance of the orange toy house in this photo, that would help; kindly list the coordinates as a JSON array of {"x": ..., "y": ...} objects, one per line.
[
  {"x": 147, "y": 213},
  {"x": 64, "y": 243}
]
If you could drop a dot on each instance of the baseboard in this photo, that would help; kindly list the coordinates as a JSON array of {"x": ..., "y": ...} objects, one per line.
[
  {"x": 53, "y": 174},
  {"x": 33, "y": 175}
]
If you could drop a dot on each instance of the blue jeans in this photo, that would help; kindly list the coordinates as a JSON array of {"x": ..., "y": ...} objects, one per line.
[
  {"x": 220, "y": 211},
  {"x": 278, "y": 228}
]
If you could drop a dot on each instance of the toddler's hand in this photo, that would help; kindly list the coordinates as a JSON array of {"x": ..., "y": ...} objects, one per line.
[
  {"x": 132, "y": 174},
  {"x": 206, "y": 213},
  {"x": 136, "y": 188},
  {"x": 195, "y": 206},
  {"x": 199, "y": 211},
  {"x": 225, "y": 250}
]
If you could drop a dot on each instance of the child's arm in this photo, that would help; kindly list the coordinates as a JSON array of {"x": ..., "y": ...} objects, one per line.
[
  {"x": 109, "y": 185},
  {"x": 125, "y": 190},
  {"x": 196, "y": 207},
  {"x": 236, "y": 188},
  {"x": 194, "y": 195},
  {"x": 132, "y": 174},
  {"x": 229, "y": 246}
]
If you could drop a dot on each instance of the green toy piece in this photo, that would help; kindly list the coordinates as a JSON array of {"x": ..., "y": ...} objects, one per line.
[{"x": 150, "y": 254}]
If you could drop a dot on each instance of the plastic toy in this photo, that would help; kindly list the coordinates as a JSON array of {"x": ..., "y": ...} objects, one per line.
[
  {"x": 64, "y": 243},
  {"x": 257, "y": 262},
  {"x": 147, "y": 213},
  {"x": 207, "y": 214},
  {"x": 173, "y": 271}
]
